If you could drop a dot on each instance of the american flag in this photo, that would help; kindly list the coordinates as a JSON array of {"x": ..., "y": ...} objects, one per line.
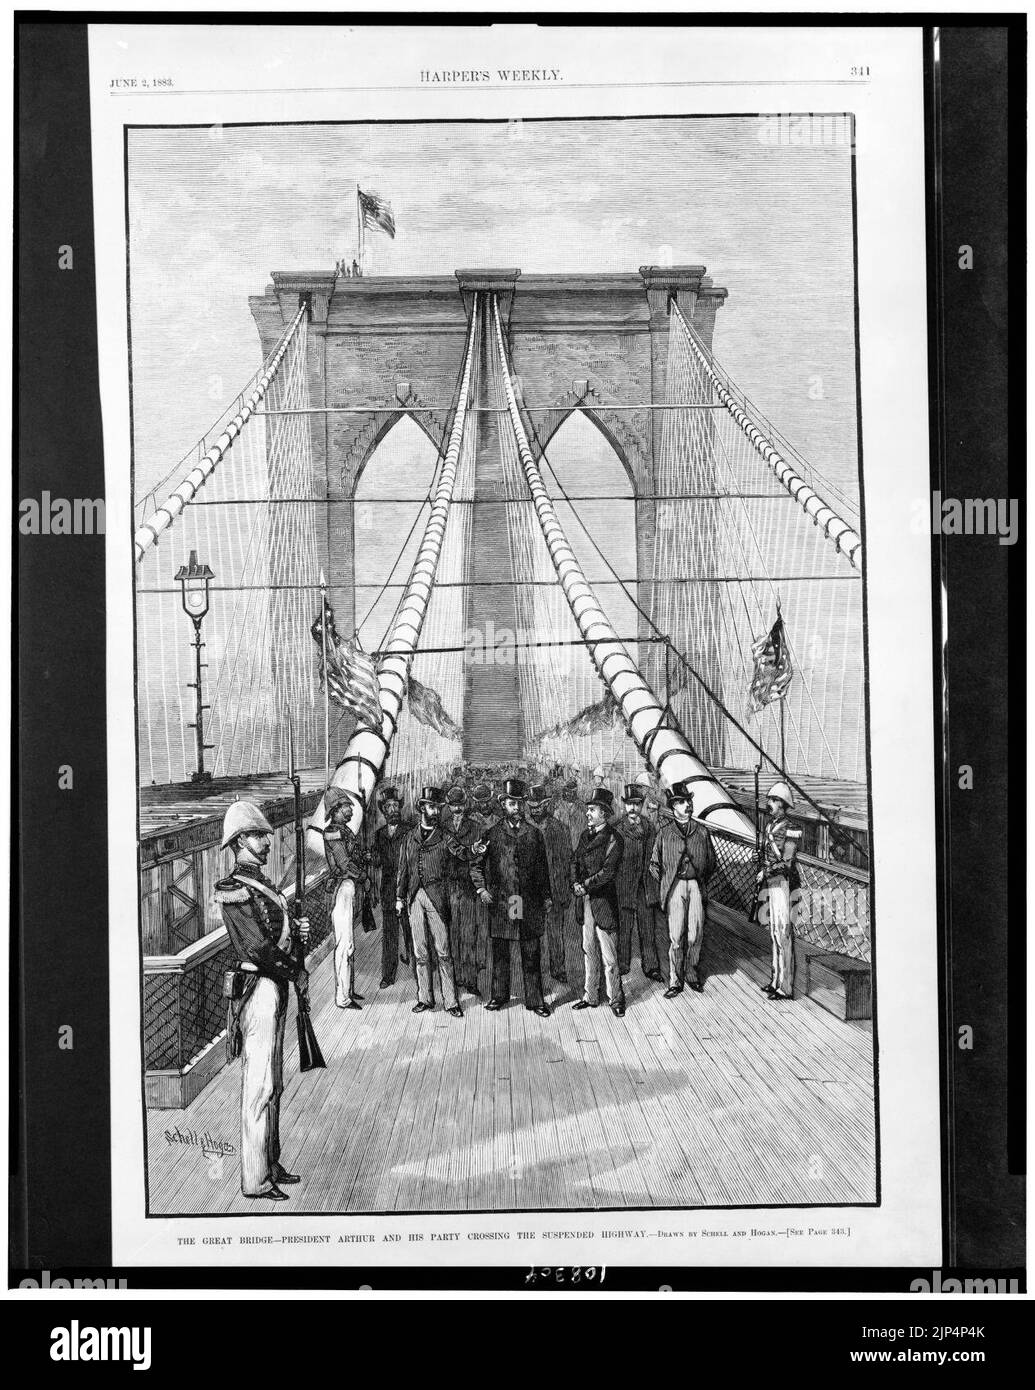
[
  {"x": 351, "y": 676},
  {"x": 376, "y": 212},
  {"x": 773, "y": 670}
]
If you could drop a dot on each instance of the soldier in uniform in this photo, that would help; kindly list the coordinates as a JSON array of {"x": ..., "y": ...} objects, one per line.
[
  {"x": 422, "y": 887},
  {"x": 558, "y": 857},
  {"x": 259, "y": 926},
  {"x": 513, "y": 880},
  {"x": 781, "y": 883},
  {"x": 637, "y": 891},
  {"x": 387, "y": 842},
  {"x": 463, "y": 902},
  {"x": 349, "y": 881},
  {"x": 681, "y": 862},
  {"x": 597, "y": 861}
]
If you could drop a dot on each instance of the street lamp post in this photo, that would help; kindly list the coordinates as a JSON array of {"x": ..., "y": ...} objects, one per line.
[{"x": 194, "y": 580}]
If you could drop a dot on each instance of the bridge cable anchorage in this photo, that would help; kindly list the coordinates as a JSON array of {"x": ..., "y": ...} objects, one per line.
[
  {"x": 642, "y": 711},
  {"x": 845, "y": 538},
  {"x": 366, "y": 753},
  {"x": 163, "y": 517}
]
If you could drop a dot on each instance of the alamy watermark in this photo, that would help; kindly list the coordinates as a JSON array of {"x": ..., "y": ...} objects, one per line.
[{"x": 967, "y": 516}]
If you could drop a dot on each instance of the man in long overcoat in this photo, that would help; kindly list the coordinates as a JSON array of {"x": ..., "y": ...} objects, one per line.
[
  {"x": 512, "y": 876},
  {"x": 637, "y": 891},
  {"x": 681, "y": 863},
  {"x": 422, "y": 888},
  {"x": 597, "y": 860}
]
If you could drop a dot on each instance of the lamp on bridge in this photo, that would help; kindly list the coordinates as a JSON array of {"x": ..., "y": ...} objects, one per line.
[{"x": 194, "y": 580}]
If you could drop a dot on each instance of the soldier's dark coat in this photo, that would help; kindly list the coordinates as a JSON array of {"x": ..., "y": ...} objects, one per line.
[
  {"x": 515, "y": 871},
  {"x": 598, "y": 858},
  {"x": 254, "y": 926}
]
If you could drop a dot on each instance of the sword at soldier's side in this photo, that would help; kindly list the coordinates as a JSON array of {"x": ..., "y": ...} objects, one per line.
[{"x": 309, "y": 1055}]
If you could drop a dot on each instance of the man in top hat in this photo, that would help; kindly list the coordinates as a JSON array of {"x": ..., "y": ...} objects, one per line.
[
  {"x": 388, "y": 840},
  {"x": 422, "y": 888},
  {"x": 512, "y": 876},
  {"x": 348, "y": 884},
  {"x": 597, "y": 861},
  {"x": 681, "y": 862},
  {"x": 558, "y": 857},
  {"x": 259, "y": 925},
  {"x": 463, "y": 901},
  {"x": 637, "y": 891},
  {"x": 781, "y": 883}
]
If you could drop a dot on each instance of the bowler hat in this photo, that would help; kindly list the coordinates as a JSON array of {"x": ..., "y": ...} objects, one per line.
[
  {"x": 430, "y": 796},
  {"x": 603, "y": 798},
  {"x": 679, "y": 791},
  {"x": 515, "y": 788},
  {"x": 482, "y": 793},
  {"x": 388, "y": 794},
  {"x": 457, "y": 796}
]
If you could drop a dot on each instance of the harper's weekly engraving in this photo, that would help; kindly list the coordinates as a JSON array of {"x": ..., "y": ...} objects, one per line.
[{"x": 502, "y": 741}]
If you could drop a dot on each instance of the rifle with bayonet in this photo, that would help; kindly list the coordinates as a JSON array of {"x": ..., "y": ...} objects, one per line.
[
  {"x": 309, "y": 1055},
  {"x": 753, "y": 914}
]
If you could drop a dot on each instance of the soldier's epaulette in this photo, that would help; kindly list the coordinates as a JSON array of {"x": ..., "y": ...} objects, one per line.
[{"x": 228, "y": 890}]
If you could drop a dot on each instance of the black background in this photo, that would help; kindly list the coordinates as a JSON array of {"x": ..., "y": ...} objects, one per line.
[{"x": 60, "y": 1117}]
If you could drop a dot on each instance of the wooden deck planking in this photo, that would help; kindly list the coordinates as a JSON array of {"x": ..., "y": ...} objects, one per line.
[{"x": 427, "y": 1112}]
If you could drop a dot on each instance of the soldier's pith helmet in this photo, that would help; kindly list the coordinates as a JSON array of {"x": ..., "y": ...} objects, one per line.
[
  {"x": 336, "y": 797},
  {"x": 241, "y": 818},
  {"x": 782, "y": 792}
]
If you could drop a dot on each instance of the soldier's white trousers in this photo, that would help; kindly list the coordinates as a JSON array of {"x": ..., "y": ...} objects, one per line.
[
  {"x": 685, "y": 925},
  {"x": 343, "y": 914},
  {"x": 782, "y": 934},
  {"x": 263, "y": 1015}
]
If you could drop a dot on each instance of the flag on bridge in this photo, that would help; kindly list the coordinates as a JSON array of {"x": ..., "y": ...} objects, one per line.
[
  {"x": 773, "y": 670},
  {"x": 351, "y": 676},
  {"x": 602, "y": 715},
  {"x": 426, "y": 706},
  {"x": 375, "y": 212}
]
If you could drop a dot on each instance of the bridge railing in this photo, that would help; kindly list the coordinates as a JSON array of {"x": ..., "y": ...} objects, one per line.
[
  {"x": 184, "y": 1012},
  {"x": 834, "y": 911}
]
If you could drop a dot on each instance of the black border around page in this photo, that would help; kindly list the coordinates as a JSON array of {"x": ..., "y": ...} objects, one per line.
[{"x": 60, "y": 1105}]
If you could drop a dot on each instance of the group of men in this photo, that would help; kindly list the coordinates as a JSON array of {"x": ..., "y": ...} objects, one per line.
[{"x": 460, "y": 886}]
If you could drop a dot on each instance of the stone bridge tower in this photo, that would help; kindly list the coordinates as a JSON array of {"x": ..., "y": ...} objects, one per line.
[{"x": 597, "y": 342}]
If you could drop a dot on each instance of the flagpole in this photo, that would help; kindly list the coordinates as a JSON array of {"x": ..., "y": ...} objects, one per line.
[{"x": 326, "y": 686}]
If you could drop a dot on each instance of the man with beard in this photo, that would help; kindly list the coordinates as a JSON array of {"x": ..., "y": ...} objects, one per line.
[
  {"x": 512, "y": 876},
  {"x": 422, "y": 887},
  {"x": 597, "y": 860},
  {"x": 259, "y": 925},
  {"x": 570, "y": 811},
  {"x": 558, "y": 857},
  {"x": 387, "y": 841},
  {"x": 637, "y": 892},
  {"x": 463, "y": 903}
]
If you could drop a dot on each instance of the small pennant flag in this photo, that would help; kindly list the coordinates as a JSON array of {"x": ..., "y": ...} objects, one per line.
[
  {"x": 604, "y": 714},
  {"x": 376, "y": 212},
  {"x": 773, "y": 670},
  {"x": 426, "y": 706},
  {"x": 351, "y": 676}
]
